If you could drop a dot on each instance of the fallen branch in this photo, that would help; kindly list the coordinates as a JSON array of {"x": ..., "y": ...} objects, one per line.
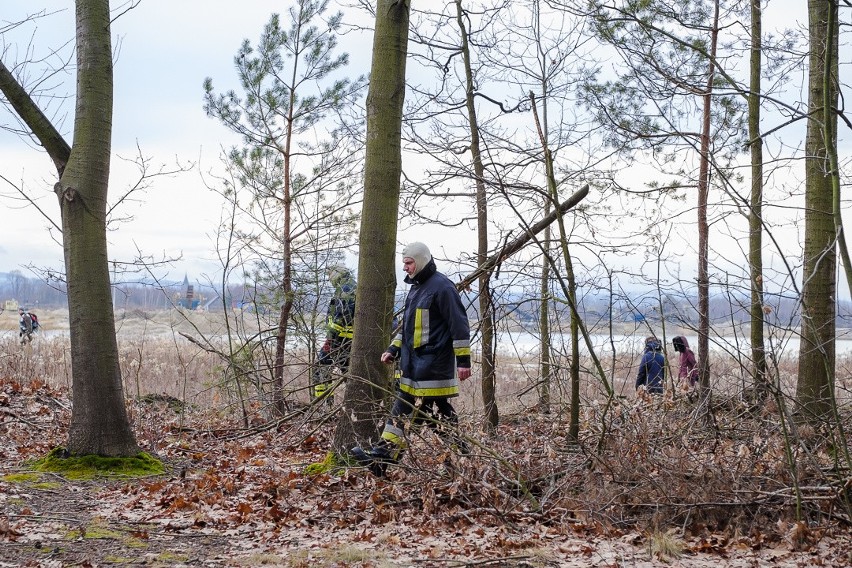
[
  {"x": 511, "y": 248},
  {"x": 21, "y": 419}
]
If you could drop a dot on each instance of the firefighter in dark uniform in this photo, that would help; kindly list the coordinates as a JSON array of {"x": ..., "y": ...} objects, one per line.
[
  {"x": 339, "y": 329},
  {"x": 433, "y": 351}
]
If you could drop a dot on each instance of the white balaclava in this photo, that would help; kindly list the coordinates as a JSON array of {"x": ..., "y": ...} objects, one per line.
[
  {"x": 420, "y": 253},
  {"x": 336, "y": 273}
]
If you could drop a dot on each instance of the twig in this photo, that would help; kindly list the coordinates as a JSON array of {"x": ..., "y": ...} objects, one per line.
[{"x": 24, "y": 420}]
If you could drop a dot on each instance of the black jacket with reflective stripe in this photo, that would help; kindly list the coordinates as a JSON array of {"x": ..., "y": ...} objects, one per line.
[{"x": 435, "y": 335}]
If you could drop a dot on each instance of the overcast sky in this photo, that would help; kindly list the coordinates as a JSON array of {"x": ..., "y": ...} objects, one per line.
[{"x": 164, "y": 51}]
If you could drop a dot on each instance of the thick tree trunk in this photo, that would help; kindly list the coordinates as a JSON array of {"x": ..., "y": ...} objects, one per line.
[
  {"x": 816, "y": 349},
  {"x": 99, "y": 423},
  {"x": 378, "y": 263}
]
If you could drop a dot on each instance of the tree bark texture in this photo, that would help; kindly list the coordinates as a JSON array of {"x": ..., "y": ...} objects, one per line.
[
  {"x": 99, "y": 423},
  {"x": 755, "y": 217},
  {"x": 488, "y": 366},
  {"x": 703, "y": 227},
  {"x": 377, "y": 264},
  {"x": 816, "y": 349},
  {"x": 545, "y": 375}
]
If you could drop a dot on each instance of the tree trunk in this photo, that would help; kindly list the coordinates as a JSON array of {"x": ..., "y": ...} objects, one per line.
[
  {"x": 574, "y": 365},
  {"x": 486, "y": 309},
  {"x": 703, "y": 227},
  {"x": 377, "y": 263},
  {"x": 817, "y": 350},
  {"x": 99, "y": 423},
  {"x": 281, "y": 340},
  {"x": 286, "y": 240},
  {"x": 553, "y": 195},
  {"x": 286, "y": 281},
  {"x": 755, "y": 217},
  {"x": 545, "y": 375}
]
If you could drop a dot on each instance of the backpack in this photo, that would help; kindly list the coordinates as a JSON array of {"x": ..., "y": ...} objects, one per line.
[
  {"x": 26, "y": 323},
  {"x": 35, "y": 321}
]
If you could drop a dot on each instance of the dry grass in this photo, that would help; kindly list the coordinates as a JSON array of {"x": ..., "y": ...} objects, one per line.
[
  {"x": 156, "y": 358},
  {"x": 665, "y": 546}
]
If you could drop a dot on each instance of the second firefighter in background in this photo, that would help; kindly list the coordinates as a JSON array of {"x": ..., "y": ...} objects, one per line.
[{"x": 339, "y": 330}]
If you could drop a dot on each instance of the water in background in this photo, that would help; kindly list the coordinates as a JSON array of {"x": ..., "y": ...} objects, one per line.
[{"x": 526, "y": 343}]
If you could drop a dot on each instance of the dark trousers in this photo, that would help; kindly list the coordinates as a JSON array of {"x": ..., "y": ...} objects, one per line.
[
  {"x": 431, "y": 410},
  {"x": 435, "y": 412},
  {"x": 321, "y": 379}
]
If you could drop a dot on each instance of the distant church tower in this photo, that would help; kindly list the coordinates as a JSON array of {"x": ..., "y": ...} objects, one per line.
[{"x": 188, "y": 293}]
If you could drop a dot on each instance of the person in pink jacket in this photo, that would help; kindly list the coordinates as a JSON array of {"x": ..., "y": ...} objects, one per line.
[{"x": 688, "y": 372}]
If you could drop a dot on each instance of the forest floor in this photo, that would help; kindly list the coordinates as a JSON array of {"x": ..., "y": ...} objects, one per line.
[
  {"x": 652, "y": 482},
  {"x": 236, "y": 497}
]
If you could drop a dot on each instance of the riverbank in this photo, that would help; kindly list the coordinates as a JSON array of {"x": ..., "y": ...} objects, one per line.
[
  {"x": 129, "y": 324},
  {"x": 513, "y": 337}
]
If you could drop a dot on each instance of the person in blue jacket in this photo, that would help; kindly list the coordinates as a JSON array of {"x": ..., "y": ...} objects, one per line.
[
  {"x": 652, "y": 368},
  {"x": 433, "y": 351}
]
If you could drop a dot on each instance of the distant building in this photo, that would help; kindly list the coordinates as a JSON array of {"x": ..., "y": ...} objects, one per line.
[{"x": 187, "y": 298}]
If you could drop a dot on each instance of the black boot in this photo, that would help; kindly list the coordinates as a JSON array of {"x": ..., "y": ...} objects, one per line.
[
  {"x": 458, "y": 444},
  {"x": 376, "y": 459}
]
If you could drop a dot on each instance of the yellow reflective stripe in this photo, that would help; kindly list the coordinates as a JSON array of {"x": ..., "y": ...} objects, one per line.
[
  {"x": 418, "y": 328},
  {"x": 431, "y": 383},
  {"x": 438, "y": 391},
  {"x": 461, "y": 347},
  {"x": 393, "y": 431},
  {"x": 396, "y": 437}
]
